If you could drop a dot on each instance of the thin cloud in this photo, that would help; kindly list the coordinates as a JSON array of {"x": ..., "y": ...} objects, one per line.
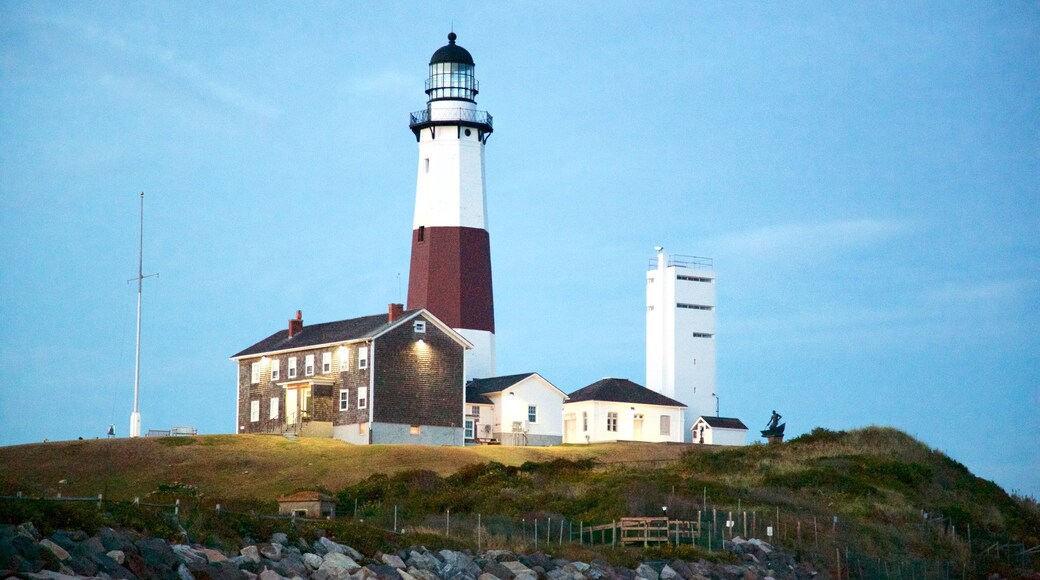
[
  {"x": 382, "y": 82},
  {"x": 810, "y": 239},
  {"x": 188, "y": 72}
]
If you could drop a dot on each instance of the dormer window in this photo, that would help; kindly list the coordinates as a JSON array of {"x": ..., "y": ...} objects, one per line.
[{"x": 420, "y": 327}]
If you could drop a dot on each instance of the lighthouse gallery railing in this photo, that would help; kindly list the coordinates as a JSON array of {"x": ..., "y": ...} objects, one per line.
[{"x": 466, "y": 115}]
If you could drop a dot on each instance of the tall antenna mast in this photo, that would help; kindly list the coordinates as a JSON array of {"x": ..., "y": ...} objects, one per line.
[{"x": 135, "y": 417}]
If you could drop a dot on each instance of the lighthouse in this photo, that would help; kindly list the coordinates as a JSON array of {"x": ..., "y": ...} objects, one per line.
[{"x": 450, "y": 273}]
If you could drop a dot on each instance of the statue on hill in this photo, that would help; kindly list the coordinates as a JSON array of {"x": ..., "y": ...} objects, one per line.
[{"x": 774, "y": 431}]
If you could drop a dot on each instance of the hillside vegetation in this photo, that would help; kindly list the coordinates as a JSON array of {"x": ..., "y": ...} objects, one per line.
[{"x": 875, "y": 497}]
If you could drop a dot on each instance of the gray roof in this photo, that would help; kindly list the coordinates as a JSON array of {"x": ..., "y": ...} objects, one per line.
[
  {"x": 478, "y": 389},
  {"x": 323, "y": 333},
  {"x": 621, "y": 391},
  {"x": 724, "y": 422}
]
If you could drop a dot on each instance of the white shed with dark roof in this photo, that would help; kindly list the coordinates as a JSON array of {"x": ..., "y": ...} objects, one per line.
[
  {"x": 620, "y": 410},
  {"x": 522, "y": 409},
  {"x": 719, "y": 431}
]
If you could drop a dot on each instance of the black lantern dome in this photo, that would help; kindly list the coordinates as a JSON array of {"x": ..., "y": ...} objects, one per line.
[
  {"x": 452, "y": 52},
  {"x": 451, "y": 73}
]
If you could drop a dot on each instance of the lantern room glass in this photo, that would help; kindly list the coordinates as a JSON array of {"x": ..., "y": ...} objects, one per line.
[{"x": 451, "y": 80}]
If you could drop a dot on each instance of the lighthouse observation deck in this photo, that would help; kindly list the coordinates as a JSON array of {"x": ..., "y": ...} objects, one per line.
[{"x": 463, "y": 117}]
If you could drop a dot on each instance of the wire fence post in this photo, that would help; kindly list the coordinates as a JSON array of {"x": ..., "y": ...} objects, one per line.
[
  {"x": 478, "y": 527},
  {"x": 177, "y": 507},
  {"x": 99, "y": 501},
  {"x": 447, "y": 523},
  {"x": 581, "y": 532},
  {"x": 536, "y": 534},
  {"x": 548, "y": 530},
  {"x": 395, "y": 519}
]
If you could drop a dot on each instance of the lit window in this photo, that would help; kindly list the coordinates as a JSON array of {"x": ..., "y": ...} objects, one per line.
[
  {"x": 666, "y": 425},
  {"x": 274, "y": 408},
  {"x": 532, "y": 414},
  {"x": 292, "y": 367},
  {"x": 344, "y": 359},
  {"x": 362, "y": 357},
  {"x": 612, "y": 421},
  {"x": 308, "y": 365},
  {"x": 326, "y": 362},
  {"x": 254, "y": 411},
  {"x": 344, "y": 399},
  {"x": 584, "y": 420},
  {"x": 362, "y": 398},
  {"x": 420, "y": 326},
  {"x": 276, "y": 369},
  {"x": 469, "y": 428},
  {"x": 414, "y": 430},
  {"x": 254, "y": 375}
]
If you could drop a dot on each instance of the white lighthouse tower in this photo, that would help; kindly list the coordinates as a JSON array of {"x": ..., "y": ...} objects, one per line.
[
  {"x": 680, "y": 333},
  {"x": 451, "y": 256}
]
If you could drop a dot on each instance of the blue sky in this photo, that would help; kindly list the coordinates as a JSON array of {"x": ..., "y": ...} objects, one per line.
[{"x": 864, "y": 175}]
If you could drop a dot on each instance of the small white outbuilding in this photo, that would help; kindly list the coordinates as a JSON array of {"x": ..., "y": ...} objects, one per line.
[{"x": 719, "y": 431}]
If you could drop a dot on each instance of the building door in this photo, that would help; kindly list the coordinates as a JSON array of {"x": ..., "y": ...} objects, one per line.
[
  {"x": 292, "y": 406},
  {"x": 637, "y": 428},
  {"x": 569, "y": 434}
]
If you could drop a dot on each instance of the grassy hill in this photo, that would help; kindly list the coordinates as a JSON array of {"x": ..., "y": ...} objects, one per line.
[
  {"x": 874, "y": 496},
  {"x": 257, "y": 466}
]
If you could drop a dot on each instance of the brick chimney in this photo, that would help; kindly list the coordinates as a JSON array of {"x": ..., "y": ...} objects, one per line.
[
  {"x": 296, "y": 324},
  {"x": 396, "y": 310}
]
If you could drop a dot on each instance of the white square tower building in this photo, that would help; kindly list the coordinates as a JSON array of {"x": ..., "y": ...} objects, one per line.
[{"x": 680, "y": 332}]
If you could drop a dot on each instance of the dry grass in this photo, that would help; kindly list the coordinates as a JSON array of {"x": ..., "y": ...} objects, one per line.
[{"x": 257, "y": 466}]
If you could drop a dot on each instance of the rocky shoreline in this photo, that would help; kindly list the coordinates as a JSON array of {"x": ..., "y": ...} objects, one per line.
[{"x": 24, "y": 553}]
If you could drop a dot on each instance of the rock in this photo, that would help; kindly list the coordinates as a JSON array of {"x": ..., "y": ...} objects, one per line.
[
  {"x": 29, "y": 531},
  {"x": 423, "y": 561},
  {"x": 157, "y": 554},
  {"x": 117, "y": 555},
  {"x": 383, "y": 571},
  {"x": 669, "y": 573},
  {"x": 49, "y": 575},
  {"x": 271, "y": 551},
  {"x": 55, "y": 549},
  {"x": 646, "y": 571},
  {"x": 498, "y": 570},
  {"x": 268, "y": 574},
  {"x": 250, "y": 553},
  {"x": 313, "y": 561},
  {"x": 338, "y": 565},
  {"x": 183, "y": 573},
  {"x": 516, "y": 568},
  {"x": 405, "y": 575},
  {"x": 280, "y": 538},
  {"x": 213, "y": 556},
  {"x": 486, "y": 576},
  {"x": 394, "y": 561},
  {"x": 113, "y": 540},
  {"x": 189, "y": 555},
  {"x": 420, "y": 574}
]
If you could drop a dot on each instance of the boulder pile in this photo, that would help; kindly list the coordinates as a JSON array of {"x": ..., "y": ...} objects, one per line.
[{"x": 24, "y": 553}]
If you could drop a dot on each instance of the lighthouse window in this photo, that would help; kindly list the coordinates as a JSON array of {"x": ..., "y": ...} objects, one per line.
[
  {"x": 426, "y": 169},
  {"x": 468, "y": 132},
  {"x": 421, "y": 233}
]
